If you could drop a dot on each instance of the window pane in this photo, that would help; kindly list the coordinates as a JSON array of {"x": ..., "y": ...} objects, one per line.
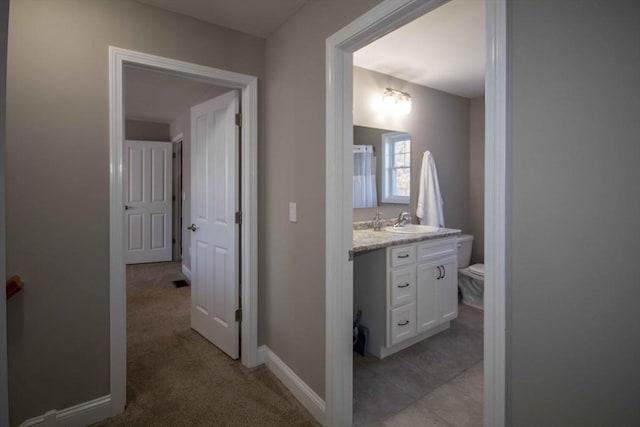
[
  {"x": 401, "y": 182},
  {"x": 402, "y": 160}
]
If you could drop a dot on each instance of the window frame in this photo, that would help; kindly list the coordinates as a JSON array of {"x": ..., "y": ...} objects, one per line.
[{"x": 389, "y": 140}]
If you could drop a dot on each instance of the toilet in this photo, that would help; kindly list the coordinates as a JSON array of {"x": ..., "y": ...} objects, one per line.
[{"x": 470, "y": 278}]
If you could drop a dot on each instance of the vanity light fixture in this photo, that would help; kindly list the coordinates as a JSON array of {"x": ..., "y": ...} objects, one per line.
[{"x": 396, "y": 101}]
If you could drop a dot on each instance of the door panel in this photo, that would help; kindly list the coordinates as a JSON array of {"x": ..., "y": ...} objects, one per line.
[
  {"x": 148, "y": 201},
  {"x": 214, "y": 201},
  {"x": 448, "y": 290},
  {"x": 427, "y": 310}
]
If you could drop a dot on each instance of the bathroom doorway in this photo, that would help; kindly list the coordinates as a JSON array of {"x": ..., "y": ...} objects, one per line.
[
  {"x": 242, "y": 86},
  {"x": 418, "y": 96},
  {"x": 378, "y": 22}
]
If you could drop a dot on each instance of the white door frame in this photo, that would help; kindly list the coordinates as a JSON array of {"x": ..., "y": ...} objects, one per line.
[
  {"x": 382, "y": 19},
  {"x": 248, "y": 85}
]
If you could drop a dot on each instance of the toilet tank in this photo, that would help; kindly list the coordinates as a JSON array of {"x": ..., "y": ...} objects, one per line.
[{"x": 465, "y": 242}]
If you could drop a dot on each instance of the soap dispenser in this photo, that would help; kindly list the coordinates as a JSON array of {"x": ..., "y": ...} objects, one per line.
[{"x": 377, "y": 221}]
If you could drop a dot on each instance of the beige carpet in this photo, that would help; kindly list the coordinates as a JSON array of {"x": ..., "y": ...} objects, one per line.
[{"x": 177, "y": 378}]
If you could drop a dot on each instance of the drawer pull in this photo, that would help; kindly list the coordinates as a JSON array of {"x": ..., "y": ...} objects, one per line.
[
  {"x": 439, "y": 273},
  {"x": 403, "y": 286},
  {"x": 403, "y": 256},
  {"x": 444, "y": 272},
  {"x": 405, "y": 323}
]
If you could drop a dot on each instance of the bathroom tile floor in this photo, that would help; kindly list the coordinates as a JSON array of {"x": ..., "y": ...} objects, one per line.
[{"x": 437, "y": 382}]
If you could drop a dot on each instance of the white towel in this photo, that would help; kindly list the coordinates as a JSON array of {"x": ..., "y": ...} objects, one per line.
[{"x": 429, "y": 208}]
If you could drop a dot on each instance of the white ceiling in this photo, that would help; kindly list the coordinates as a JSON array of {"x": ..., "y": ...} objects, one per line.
[
  {"x": 156, "y": 97},
  {"x": 256, "y": 17},
  {"x": 444, "y": 50}
]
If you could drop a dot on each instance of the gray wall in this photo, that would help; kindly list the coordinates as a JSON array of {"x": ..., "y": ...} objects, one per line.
[
  {"x": 292, "y": 273},
  {"x": 146, "y": 131},
  {"x": 439, "y": 122},
  {"x": 58, "y": 180},
  {"x": 476, "y": 178},
  {"x": 574, "y": 205},
  {"x": 4, "y": 16}
]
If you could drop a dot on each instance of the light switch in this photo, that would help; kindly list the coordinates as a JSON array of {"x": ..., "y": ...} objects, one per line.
[{"x": 293, "y": 212}]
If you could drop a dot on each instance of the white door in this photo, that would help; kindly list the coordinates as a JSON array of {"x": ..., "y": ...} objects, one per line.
[
  {"x": 214, "y": 203},
  {"x": 147, "y": 200}
]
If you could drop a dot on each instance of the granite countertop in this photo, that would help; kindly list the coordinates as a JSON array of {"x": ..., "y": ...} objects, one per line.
[{"x": 367, "y": 239}]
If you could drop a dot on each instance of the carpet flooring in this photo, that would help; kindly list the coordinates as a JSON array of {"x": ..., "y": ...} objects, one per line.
[{"x": 177, "y": 378}]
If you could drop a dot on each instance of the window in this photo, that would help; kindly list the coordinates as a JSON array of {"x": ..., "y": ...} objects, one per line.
[{"x": 396, "y": 165}]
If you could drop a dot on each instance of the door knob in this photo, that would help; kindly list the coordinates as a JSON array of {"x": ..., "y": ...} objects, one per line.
[
  {"x": 127, "y": 207},
  {"x": 192, "y": 227}
]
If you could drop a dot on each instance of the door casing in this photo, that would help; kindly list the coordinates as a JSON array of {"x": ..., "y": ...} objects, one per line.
[
  {"x": 248, "y": 86},
  {"x": 380, "y": 20}
]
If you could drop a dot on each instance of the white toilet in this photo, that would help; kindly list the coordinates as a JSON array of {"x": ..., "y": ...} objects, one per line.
[{"x": 470, "y": 278}]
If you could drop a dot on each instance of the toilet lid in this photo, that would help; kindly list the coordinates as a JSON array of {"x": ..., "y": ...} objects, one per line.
[{"x": 477, "y": 269}]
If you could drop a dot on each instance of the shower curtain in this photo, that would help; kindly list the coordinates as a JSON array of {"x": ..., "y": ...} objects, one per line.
[{"x": 365, "y": 194}]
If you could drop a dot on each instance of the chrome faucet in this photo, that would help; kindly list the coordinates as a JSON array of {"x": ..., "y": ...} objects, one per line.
[{"x": 403, "y": 219}]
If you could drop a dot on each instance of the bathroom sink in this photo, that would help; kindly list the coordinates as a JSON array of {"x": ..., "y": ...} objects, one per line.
[{"x": 413, "y": 229}]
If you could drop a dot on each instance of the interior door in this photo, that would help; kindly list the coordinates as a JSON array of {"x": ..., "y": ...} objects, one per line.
[
  {"x": 214, "y": 203},
  {"x": 147, "y": 200}
]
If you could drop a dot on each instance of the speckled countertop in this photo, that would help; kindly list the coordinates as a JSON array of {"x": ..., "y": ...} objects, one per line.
[{"x": 367, "y": 239}]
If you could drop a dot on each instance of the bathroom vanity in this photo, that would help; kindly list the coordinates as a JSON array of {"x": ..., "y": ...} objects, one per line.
[{"x": 405, "y": 285}]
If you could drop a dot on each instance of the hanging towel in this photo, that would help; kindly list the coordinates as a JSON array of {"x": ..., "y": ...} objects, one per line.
[{"x": 429, "y": 208}]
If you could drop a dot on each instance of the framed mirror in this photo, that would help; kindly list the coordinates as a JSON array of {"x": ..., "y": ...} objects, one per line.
[{"x": 382, "y": 167}]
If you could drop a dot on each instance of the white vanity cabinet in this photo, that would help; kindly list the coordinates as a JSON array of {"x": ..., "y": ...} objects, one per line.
[{"x": 406, "y": 293}]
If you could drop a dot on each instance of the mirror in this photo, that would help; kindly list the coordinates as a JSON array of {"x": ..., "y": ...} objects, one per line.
[{"x": 381, "y": 167}]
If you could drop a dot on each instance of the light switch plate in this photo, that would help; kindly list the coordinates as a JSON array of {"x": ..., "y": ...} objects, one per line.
[{"x": 293, "y": 212}]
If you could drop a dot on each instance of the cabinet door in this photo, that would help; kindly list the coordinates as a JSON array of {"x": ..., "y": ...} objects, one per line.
[
  {"x": 447, "y": 290},
  {"x": 426, "y": 297}
]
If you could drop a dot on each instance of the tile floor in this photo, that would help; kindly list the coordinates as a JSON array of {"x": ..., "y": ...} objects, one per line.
[{"x": 437, "y": 382}]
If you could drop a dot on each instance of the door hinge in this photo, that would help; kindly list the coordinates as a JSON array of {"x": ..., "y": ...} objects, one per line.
[
  {"x": 350, "y": 255},
  {"x": 238, "y": 217},
  {"x": 238, "y": 119},
  {"x": 239, "y": 315}
]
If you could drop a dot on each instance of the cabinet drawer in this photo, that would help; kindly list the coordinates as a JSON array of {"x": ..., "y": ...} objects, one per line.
[
  {"x": 402, "y": 287},
  {"x": 403, "y": 323},
  {"x": 403, "y": 255},
  {"x": 436, "y": 248}
]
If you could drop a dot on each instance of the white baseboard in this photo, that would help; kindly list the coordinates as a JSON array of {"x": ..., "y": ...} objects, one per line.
[
  {"x": 75, "y": 416},
  {"x": 309, "y": 399},
  {"x": 262, "y": 354},
  {"x": 186, "y": 272}
]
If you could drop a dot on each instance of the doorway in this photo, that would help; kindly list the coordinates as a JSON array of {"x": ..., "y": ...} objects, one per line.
[
  {"x": 247, "y": 87},
  {"x": 379, "y": 21}
]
